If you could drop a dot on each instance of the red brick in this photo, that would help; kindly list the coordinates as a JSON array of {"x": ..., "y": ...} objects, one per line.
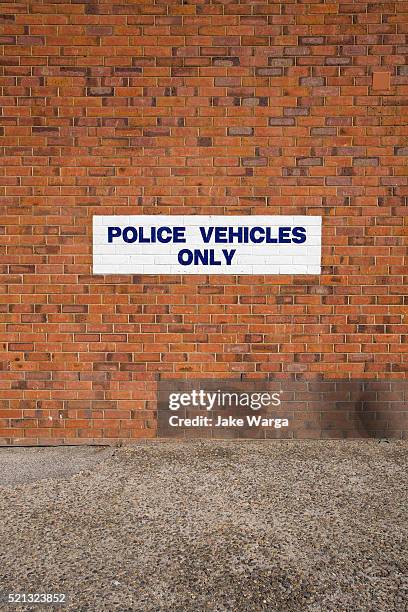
[{"x": 231, "y": 108}]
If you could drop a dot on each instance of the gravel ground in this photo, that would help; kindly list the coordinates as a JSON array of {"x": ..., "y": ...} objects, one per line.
[{"x": 271, "y": 525}]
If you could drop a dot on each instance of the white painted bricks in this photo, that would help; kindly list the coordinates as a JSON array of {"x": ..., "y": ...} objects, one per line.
[{"x": 120, "y": 257}]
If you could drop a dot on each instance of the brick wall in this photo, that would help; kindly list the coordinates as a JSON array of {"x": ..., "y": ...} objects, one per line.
[{"x": 206, "y": 107}]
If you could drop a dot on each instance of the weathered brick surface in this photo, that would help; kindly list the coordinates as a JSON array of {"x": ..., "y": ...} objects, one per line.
[{"x": 200, "y": 107}]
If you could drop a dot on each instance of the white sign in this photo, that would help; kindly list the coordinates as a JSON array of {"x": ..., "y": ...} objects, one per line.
[{"x": 195, "y": 244}]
